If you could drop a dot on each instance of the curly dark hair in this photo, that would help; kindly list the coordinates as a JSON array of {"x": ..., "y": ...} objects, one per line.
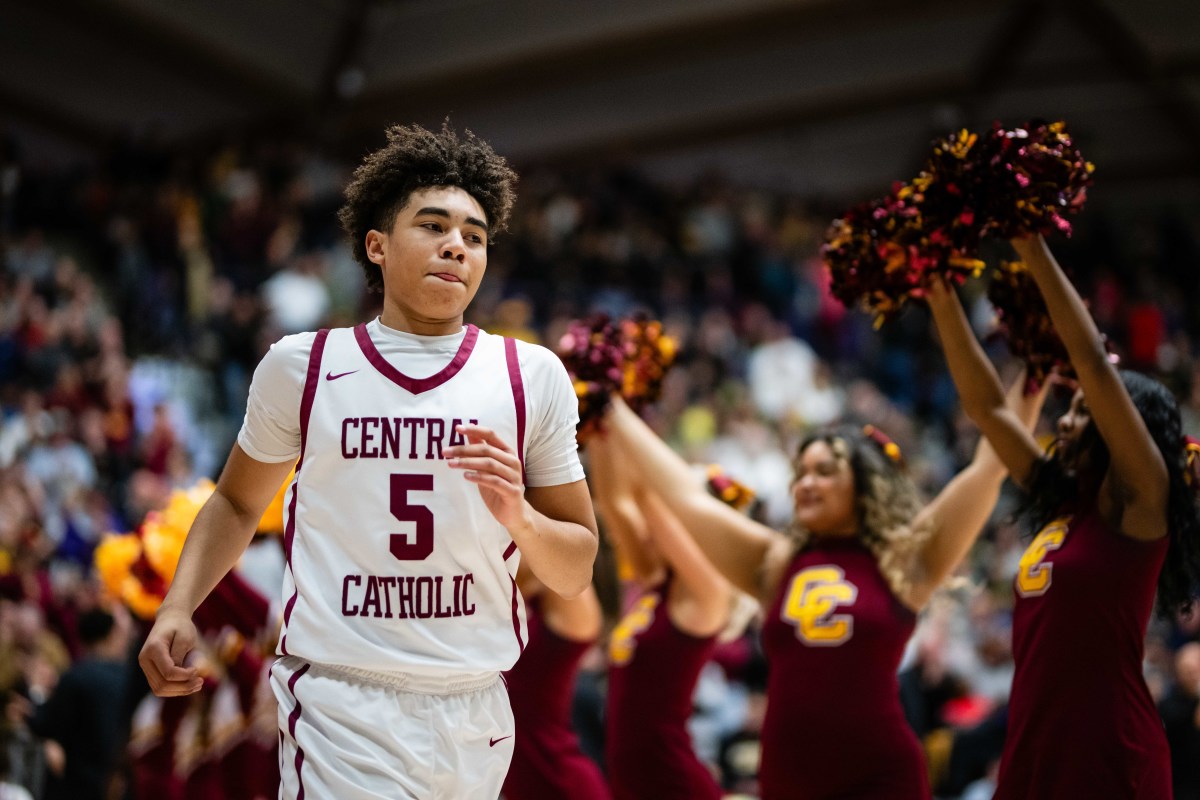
[
  {"x": 1053, "y": 491},
  {"x": 415, "y": 158}
]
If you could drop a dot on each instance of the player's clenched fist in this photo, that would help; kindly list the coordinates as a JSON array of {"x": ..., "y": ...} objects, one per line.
[{"x": 171, "y": 639}]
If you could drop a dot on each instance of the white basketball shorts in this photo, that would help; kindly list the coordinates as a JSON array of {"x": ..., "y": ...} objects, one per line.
[{"x": 347, "y": 734}]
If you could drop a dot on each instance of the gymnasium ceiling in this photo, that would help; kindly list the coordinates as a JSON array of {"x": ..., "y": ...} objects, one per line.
[{"x": 831, "y": 97}]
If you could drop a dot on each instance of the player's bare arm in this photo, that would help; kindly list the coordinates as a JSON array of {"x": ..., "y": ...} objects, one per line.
[
  {"x": 222, "y": 530},
  {"x": 553, "y": 526}
]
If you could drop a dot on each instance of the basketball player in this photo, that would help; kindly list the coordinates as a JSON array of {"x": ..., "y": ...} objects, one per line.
[
  {"x": 669, "y": 632},
  {"x": 433, "y": 458},
  {"x": 1116, "y": 520},
  {"x": 548, "y": 763},
  {"x": 841, "y": 595}
]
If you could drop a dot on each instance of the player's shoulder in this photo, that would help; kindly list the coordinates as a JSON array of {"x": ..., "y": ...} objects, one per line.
[
  {"x": 530, "y": 355},
  {"x": 289, "y": 355},
  {"x": 300, "y": 345},
  {"x": 293, "y": 345},
  {"x": 537, "y": 357}
]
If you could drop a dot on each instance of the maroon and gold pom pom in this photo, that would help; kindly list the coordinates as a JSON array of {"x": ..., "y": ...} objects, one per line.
[
  {"x": 1025, "y": 323},
  {"x": 593, "y": 351},
  {"x": 629, "y": 357},
  {"x": 727, "y": 489},
  {"x": 1037, "y": 178},
  {"x": 882, "y": 254},
  {"x": 1006, "y": 183},
  {"x": 649, "y": 353}
]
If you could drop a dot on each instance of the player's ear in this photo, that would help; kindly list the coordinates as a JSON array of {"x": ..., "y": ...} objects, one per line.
[{"x": 375, "y": 246}]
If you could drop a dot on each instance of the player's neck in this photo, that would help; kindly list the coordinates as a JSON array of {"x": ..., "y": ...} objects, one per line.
[{"x": 398, "y": 320}]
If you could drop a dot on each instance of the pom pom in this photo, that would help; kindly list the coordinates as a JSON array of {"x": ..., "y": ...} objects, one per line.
[
  {"x": 163, "y": 532},
  {"x": 1025, "y": 324},
  {"x": 114, "y": 559},
  {"x": 630, "y": 357},
  {"x": 728, "y": 490},
  {"x": 1009, "y": 182},
  {"x": 1036, "y": 179},
  {"x": 880, "y": 255},
  {"x": 593, "y": 351},
  {"x": 649, "y": 353},
  {"x": 139, "y": 567},
  {"x": 1006, "y": 183}
]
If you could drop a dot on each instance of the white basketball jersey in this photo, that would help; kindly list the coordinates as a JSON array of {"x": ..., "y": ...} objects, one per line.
[{"x": 394, "y": 562}]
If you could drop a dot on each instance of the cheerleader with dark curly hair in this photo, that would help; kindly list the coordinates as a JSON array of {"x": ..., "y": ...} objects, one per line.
[{"x": 1115, "y": 519}]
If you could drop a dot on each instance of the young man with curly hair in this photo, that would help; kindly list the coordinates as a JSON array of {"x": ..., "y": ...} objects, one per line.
[{"x": 433, "y": 457}]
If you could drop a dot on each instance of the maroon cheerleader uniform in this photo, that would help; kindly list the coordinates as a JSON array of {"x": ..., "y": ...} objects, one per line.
[
  {"x": 1081, "y": 722},
  {"x": 547, "y": 763},
  {"x": 653, "y": 669},
  {"x": 833, "y": 638}
]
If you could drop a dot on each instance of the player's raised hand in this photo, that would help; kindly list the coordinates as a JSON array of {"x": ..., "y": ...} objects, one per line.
[
  {"x": 492, "y": 464},
  {"x": 171, "y": 639}
]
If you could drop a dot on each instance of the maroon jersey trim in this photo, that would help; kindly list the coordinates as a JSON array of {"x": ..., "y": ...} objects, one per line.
[
  {"x": 293, "y": 718},
  {"x": 311, "y": 379},
  {"x": 416, "y": 385},
  {"x": 516, "y": 615},
  {"x": 518, "y": 390}
]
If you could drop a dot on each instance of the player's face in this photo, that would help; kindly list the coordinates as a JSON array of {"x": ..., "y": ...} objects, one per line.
[
  {"x": 1071, "y": 426},
  {"x": 823, "y": 492},
  {"x": 432, "y": 260}
]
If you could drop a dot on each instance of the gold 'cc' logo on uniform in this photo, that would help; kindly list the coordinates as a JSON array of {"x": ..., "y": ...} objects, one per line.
[
  {"x": 624, "y": 635},
  {"x": 1033, "y": 576},
  {"x": 812, "y": 599}
]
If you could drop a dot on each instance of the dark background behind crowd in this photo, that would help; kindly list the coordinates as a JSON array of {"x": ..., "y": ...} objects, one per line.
[
  {"x": 139, "y": 291},
  {"x": 169, "y": 176}
]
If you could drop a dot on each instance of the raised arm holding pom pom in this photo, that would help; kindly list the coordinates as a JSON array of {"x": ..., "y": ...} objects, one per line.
[
  {"x": 840, "y": 594},
  {"x": 1114, "y": 520}
]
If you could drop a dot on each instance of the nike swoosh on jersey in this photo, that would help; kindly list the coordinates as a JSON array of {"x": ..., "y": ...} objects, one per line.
[
  {"x": 494, "y": 742},
  {"x": 329, "y": 376}
]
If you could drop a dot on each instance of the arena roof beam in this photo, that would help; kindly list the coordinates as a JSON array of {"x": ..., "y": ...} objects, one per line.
[
  {"x": 1131, "y": 54},
  {"x": 342, "y": 55},
  {"x": 604, "y": 56},
  {"x": 34, "y": 110},
  {"x": 177, "y": 51},
  {"x": 730, "y": 124},
  {"x": 775, "y": 116},
  {"x": 1003, "y": 50}
]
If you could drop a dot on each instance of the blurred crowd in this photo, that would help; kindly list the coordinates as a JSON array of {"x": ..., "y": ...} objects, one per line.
[{"x": 139, "y": 290}]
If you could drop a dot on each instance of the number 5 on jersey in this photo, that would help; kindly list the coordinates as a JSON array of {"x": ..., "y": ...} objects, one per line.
[
  {"x": 403, "y": 546},
  {"x": 1034, "y": 577},
  {"x": 813, "y": 597}
]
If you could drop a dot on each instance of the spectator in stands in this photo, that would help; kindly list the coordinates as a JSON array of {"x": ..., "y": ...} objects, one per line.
[
  {"x": 1180, "y": 710},
  {"x": 84, "y": 715}
]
